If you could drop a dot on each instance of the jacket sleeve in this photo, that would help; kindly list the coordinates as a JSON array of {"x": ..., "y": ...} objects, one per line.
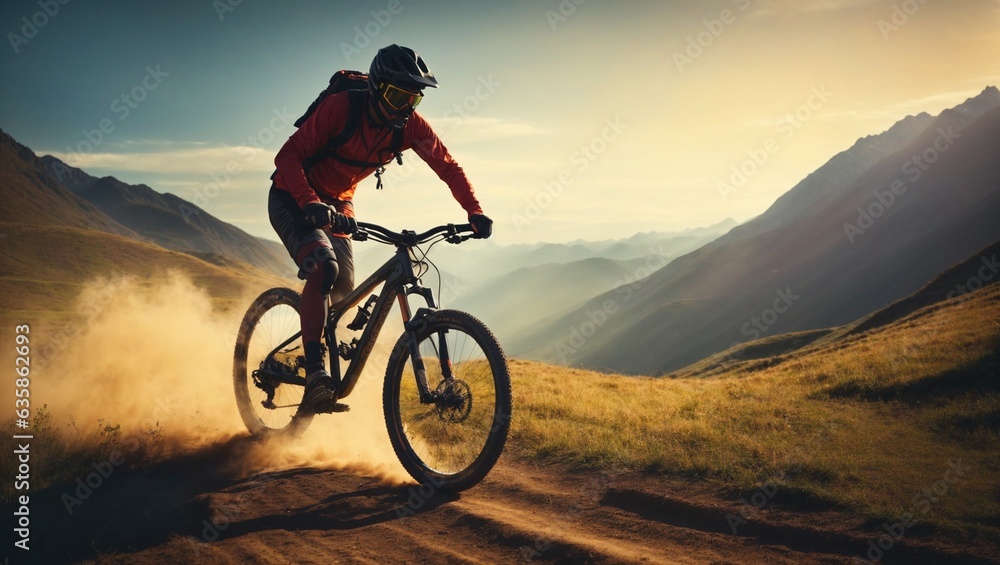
[
  {"x": 326, "y": 121},
  {"x": 428, "y": 146}
]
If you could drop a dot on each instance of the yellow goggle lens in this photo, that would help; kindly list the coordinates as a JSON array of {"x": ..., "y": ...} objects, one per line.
[{"x": 399, "y": 99}]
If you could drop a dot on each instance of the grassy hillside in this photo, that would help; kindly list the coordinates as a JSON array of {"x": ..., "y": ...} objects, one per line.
[
  {"x": 864, "y": 423},
  {"x": 981, "y": 269},
  {"x": 32, "y": 196},
  {"x": 168, "y": 220},
  {"x": 42, "y": 269}
]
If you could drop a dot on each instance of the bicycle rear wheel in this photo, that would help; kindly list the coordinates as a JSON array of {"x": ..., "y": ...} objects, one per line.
[
  {"x": 453, "y": 442},
  {"x": 265, "y": 404}
]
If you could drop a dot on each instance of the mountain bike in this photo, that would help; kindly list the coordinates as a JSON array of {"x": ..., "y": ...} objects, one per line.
[{"x": 446, "y": 397}]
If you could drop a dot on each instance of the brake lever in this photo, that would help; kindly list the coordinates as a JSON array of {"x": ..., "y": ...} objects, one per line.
[
  {"x": 456, "y": 239},
  {"x": 359, "y": 235}
]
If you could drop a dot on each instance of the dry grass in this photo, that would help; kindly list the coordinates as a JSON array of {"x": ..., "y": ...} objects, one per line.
[
  {"x": 72, "y": 449},
  {"x": 865, "y": 424},
  {"x": 44, "y": 269}
]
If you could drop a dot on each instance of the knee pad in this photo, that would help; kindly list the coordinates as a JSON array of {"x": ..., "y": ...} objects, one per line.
[
  {"x": 322, "y": 263},
  {"x": 330, "y": 272}
]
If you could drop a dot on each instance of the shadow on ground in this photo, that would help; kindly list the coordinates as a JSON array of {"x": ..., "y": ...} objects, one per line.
[{"x": 131, "y": 512}]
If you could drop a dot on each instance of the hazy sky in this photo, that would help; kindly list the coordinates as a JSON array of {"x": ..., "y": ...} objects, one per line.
[{"x": 573, "y": 118}]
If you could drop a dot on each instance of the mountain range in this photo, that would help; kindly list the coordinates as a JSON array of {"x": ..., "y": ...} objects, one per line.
[
  {"x": 168, "y": 220},
  {"x": 513, "y": 288},
  {"x": 869, "y": 227},
  {"x": 57, "y": 233}
]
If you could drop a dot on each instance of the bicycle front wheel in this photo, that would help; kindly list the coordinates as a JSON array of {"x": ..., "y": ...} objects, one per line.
[
  {"x": 267, "y": 404},
  {"x": 452, "y": 442}
]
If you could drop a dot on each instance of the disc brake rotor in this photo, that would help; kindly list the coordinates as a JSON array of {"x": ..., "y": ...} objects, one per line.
[{"x": 454, "y": 401}]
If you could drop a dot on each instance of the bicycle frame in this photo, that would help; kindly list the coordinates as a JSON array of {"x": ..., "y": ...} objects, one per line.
[{"x": 397, "y": 273}]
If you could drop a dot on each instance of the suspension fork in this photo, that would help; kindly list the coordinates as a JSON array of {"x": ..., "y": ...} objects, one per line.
[
  {"x": 443, "y": 356},
  {"x": 419, "y": 371},
  {"x": 412, "y": 328}
]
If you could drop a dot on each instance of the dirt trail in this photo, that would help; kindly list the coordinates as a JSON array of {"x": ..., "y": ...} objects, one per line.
[{"x": 195, "y": 509}]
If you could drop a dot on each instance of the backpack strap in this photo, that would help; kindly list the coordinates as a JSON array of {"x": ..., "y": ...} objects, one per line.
[
  {"x": 396, "y": 145},
  {"x": 355, "y": 113},
  {"x": 339, "y": 82},
  {"x": 355, "y": 109}
]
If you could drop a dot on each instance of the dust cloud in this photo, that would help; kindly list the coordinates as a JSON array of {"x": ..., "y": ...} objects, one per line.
[{"x": 156, "y": 359}]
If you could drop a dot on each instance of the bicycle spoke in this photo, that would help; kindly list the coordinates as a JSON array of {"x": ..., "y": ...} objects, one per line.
[
  {"x": 271, "y": 320},
  {"x": 443, "y": 443}
]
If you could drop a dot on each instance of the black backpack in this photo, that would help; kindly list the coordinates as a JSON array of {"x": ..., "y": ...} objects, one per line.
[{"x": 355, "y": 83}]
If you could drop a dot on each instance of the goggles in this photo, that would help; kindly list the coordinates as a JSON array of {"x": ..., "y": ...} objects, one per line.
[{"x": 397, "y": 98}]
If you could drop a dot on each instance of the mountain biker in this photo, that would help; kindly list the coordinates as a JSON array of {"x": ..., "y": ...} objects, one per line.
[{"x": 306, "y": 209}]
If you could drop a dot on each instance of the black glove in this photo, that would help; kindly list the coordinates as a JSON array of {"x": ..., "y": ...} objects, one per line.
[
  {"x": 318, "y": 214},
  {"x": 343, "y": 224},
  {"x": 482, "y": 225}
]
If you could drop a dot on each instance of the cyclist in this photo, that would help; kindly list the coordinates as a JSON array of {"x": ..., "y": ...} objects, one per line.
[{"x": 306, "y": 209}]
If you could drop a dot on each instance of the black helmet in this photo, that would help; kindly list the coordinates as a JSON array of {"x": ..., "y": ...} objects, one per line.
[{"x": 401, "y": 67}]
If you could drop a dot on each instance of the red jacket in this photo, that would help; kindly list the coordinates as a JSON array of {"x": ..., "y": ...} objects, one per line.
[{"x": 332, "y": 180}]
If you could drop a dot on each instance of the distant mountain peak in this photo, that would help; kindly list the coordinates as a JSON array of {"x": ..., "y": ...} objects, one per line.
[
  {"x": 34, "y": 197},
  {"x": 973, "y": 107},
  {"x": 166, "y": 219},
  {"x": 900, "y": 131},
  {"x": 980, "y": 104},
  {"x": 6, "y": 140},
  {"x": 70, "y": 177}
]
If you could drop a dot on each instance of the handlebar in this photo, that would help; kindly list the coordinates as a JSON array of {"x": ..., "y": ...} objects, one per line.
[{"x": 407, "y": 238}]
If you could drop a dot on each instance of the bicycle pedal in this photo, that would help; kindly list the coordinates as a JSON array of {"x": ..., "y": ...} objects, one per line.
[{"x": 334, "y": 408}]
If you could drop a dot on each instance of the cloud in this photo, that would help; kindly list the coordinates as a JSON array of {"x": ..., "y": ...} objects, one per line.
[
  {"x": 158, "y": 143},
  {"x": 175, "y": 158},
  {"x": 770, "y": 7}
]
